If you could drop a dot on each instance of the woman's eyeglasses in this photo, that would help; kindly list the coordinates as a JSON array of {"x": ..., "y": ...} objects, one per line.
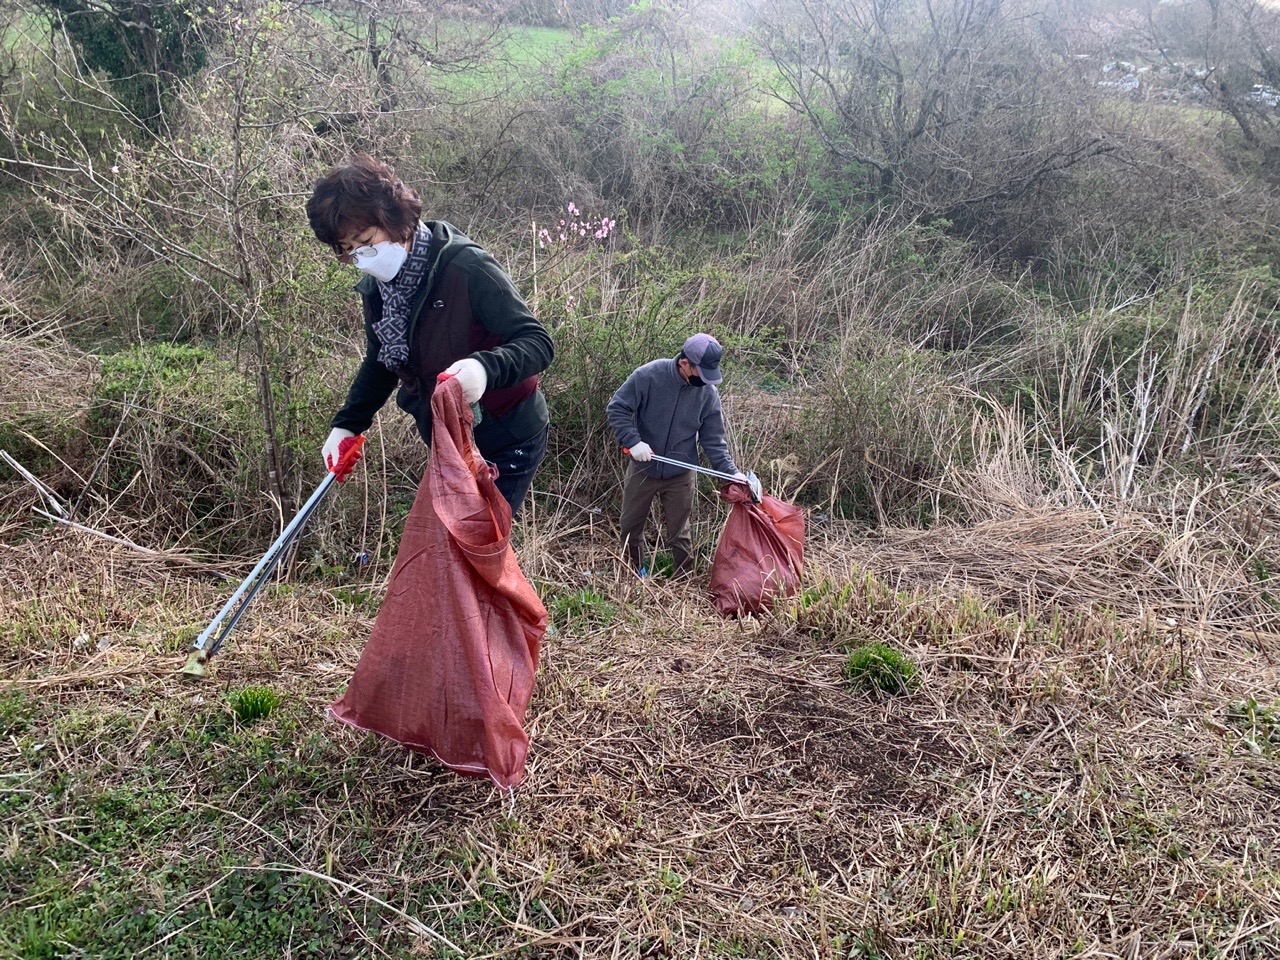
[{"x": 350, "y": 256}]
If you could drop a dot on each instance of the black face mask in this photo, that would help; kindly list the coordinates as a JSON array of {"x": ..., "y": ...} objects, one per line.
[{"x": 696, "y": 381}]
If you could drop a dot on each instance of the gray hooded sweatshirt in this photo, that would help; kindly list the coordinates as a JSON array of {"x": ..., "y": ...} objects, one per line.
[{"x": 656, "y": 405}]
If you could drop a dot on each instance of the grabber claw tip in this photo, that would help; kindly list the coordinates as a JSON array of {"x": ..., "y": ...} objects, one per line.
[{"x": 196, "y": 664}]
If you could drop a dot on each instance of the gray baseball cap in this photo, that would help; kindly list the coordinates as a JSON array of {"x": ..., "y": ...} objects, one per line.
[{"x": 704, "y": 351}]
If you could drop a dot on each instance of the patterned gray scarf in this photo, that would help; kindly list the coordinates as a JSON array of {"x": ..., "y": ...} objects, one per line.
[{"x": 392, "y": 328}]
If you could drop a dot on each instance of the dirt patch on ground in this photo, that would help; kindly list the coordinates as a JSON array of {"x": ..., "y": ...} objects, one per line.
[{"x": 825, "y": 739}]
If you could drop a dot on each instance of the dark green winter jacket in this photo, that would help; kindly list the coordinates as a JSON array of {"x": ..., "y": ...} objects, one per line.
[{"x": 466, "y": 306}]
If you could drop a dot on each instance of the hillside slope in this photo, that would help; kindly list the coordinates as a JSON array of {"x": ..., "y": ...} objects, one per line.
[{"x": 1076, "y": 785}]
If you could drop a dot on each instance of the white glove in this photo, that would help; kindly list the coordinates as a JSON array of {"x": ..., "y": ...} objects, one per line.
[
  {"x": 740, "y": 477},
  {"x": 642, "y": 452},
  {"x": 330, "y": 450},
  {"x": 471, "y": 375}
]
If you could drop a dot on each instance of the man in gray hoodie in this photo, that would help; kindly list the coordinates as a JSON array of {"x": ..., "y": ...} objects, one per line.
[{"x": 669, "y": 408}]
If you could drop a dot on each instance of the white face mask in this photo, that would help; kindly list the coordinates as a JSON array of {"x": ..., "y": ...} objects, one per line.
[{"x": 382, "y": 260}]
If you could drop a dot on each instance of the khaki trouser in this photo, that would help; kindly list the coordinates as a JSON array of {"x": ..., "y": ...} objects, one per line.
[{"x": 676, "y": 495}]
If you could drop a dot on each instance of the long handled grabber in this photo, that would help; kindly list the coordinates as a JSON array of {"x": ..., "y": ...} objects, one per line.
[
  {"x": 753, "y": 482},
  {"x": 209, "y": 642}
]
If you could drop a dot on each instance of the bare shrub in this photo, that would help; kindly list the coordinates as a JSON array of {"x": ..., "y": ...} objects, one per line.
[
  {"x": 961, "y": 110},
  {"x": 1224, "y": 51},
  {"x": 207, "y": 206},
  {"x": 661, "y": 118}
]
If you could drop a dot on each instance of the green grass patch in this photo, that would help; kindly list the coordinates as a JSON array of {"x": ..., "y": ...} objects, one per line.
[
  {"x": 252, "y": 704},
  {"x": 585, "y": 607},
  {"x": 16, "y": 711},
  {"x": 661, "y": 564},
  {"x": 515, "y": 63},
  {"x": 1259, "y": 725},
  {"x": 878, "y": 667}
]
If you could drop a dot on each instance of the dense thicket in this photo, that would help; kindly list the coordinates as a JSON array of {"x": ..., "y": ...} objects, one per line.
[{"x": 929, "y": 233}]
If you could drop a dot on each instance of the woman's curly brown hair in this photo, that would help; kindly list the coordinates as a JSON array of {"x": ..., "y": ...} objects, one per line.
[{"x": 364, "y": 193}]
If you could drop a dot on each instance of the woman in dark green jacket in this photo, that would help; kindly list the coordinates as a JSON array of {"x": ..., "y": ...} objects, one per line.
[{"x": 434, "y": 302}]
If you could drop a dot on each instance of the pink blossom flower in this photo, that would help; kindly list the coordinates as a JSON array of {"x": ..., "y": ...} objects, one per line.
[{"x": 573, "y": 210}]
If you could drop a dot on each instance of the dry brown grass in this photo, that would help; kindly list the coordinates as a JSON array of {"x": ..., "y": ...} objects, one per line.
[
  {"x": 1047, "y": 559},
  {"x": 697, "y": 787}
]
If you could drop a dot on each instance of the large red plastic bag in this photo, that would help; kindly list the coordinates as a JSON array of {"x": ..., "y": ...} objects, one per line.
[
  {"x": 760, "y": 555},
  {"x": 449, "y": 668}
]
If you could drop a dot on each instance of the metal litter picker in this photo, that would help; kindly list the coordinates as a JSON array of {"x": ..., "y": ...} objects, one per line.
[
  {"x": 209, "y": 642},
  {"x": 753, "y": 482}
]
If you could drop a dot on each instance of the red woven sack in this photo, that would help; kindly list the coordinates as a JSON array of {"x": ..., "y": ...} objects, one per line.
[
  {"x": 760, "y": 555},
  {"x": 449, "y": 668}
]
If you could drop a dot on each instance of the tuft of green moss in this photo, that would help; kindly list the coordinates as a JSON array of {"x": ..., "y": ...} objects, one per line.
[{"x": 879, "y": 667}]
